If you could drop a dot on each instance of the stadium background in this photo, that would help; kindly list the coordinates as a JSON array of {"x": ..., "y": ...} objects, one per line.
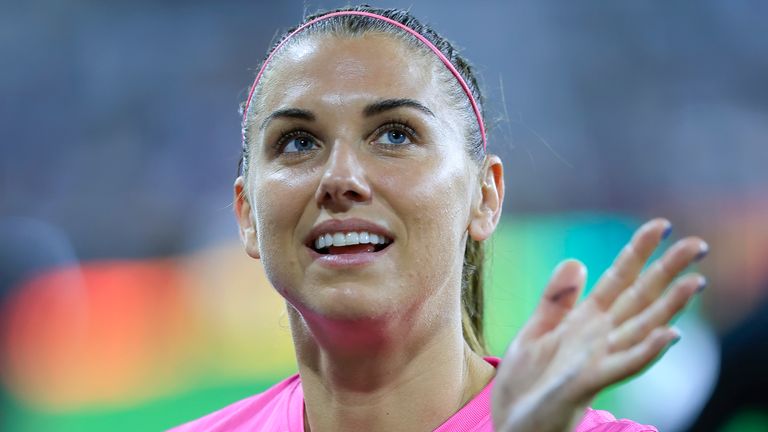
[{"x": 128, "y": 304}]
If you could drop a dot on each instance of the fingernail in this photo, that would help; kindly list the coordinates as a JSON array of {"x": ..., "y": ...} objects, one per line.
[
  {"x": 702, "y": 284},
  {"x": 702, "y": 253},
  {"x": 677, "y": 337},
  {"x": 667, "y": 232},
  {"x": 562, "y": 294}
]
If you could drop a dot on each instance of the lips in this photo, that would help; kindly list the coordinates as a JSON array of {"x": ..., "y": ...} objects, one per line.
[
  {"x": 349, "y": 226},
  {"x": 339, "y": 243}
]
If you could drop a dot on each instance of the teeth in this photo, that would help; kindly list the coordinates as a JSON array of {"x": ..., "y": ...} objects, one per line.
[{"x": 348, "y": 238}]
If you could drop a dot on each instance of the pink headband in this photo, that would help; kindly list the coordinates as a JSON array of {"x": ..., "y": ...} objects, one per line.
[{"x": 424, "y": 40}]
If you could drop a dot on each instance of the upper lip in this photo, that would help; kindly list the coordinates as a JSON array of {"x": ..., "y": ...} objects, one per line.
[{"x": 346, "y": 225}]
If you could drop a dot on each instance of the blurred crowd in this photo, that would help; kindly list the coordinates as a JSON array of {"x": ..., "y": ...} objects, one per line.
[{"x": 123, "y": 288}]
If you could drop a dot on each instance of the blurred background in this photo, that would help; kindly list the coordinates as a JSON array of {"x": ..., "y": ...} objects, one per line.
[{"x": 127, "y": 302}]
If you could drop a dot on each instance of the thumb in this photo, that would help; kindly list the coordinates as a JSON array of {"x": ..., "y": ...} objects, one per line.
[{"x": 559, "y": 298}]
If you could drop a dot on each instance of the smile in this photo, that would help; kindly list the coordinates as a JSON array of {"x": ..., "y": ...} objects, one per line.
[
  {"x": 350, "y": 242},
  {"x": 344, "y": 243}
]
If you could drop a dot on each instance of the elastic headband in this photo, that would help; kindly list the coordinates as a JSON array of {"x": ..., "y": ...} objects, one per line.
[{"x": 414, "y": 33}]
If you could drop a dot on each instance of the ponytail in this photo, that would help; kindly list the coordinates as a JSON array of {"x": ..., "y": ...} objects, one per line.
[{"x": 472, "y": 301}]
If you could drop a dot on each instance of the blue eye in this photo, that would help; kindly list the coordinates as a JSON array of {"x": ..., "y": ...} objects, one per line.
[
  {"x": 299, "y": 144},
  {"x": 393, "y": 137}
]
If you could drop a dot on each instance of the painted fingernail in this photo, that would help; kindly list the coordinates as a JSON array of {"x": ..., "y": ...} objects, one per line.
[
  {"x": 678, "y": 335},
  {"x": 702, "y": 284},
  {"x": 702, "y": 253},
  {"x": 667, "y": 232},
  {"x": 563, "y": 293}
]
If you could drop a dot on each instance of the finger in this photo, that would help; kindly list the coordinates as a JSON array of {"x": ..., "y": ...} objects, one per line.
[
  {"x": 656, "y": 279},
  {"x": 626, "y": 363},
  {"x": 630, "y": 262},
  {"x": 636, "y": 329},
  {"x": 560, "y": 295}
]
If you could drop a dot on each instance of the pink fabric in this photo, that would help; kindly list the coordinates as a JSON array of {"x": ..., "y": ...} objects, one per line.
[{"x": 281, "y": 409}]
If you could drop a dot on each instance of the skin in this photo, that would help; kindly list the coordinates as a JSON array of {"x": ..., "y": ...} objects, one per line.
[{"x": 380, "y": 347}]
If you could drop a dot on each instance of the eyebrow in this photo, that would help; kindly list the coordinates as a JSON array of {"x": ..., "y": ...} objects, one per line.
[
  {"x": 369, "y": 111},
  {"x": 390, "y": 104},
  {"x": 295, "y": 113}
]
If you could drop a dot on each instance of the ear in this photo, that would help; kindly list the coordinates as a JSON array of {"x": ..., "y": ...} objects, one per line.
[
  {"x": 486, "y": 210},
  {"x": 248, "y": 233}
]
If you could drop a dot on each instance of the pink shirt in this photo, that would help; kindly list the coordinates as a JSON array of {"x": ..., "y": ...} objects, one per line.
[{"x": 281, "y": 409}]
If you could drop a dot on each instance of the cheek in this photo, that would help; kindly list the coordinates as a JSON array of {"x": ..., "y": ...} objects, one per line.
[
  {"x": 440, "y": 198},
  {"x": 434, "y": 205},
  {"x": 281, "y": 200}
]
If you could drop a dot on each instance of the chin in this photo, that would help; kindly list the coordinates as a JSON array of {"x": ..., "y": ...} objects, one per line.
[{"x": 348, "y": 301}]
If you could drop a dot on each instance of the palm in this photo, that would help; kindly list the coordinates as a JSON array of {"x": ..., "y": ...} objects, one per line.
[{"x": 567, "y": 353}]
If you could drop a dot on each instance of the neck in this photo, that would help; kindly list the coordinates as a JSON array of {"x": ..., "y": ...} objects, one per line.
[{"x": 384, "y": 375}]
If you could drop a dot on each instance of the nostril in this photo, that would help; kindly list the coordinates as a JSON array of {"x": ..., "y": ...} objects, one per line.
[
  {"x": 340, "y": 192},
  {"x": 352, "y": 195}
]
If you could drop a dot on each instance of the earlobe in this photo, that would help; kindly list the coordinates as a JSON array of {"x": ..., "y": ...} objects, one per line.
[
  {"x": 248, "y": 234},
  {"x": 486, "y": 211}
]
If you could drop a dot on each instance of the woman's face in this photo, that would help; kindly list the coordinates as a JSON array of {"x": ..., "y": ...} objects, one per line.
[{"x": 357, "y": 131}]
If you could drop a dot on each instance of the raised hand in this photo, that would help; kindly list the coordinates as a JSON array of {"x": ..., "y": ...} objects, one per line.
[{"x": 567, "y": 353}]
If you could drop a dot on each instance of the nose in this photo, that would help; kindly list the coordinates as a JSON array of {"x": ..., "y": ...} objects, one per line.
[{"x": 344, "y": 182}]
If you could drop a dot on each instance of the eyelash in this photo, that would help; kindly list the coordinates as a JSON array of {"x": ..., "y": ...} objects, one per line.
[
  {"x": 285, "y": 136},
  {"x": 400, "y": 125}
]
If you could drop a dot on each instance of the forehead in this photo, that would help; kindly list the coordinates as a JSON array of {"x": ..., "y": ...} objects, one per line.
[{"x": 344, "y": 70}]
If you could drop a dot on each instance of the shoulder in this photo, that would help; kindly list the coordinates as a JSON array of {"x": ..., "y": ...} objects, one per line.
[
  {"x": 264, "y": 411},
  {"x": 603, "y": 421}
]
